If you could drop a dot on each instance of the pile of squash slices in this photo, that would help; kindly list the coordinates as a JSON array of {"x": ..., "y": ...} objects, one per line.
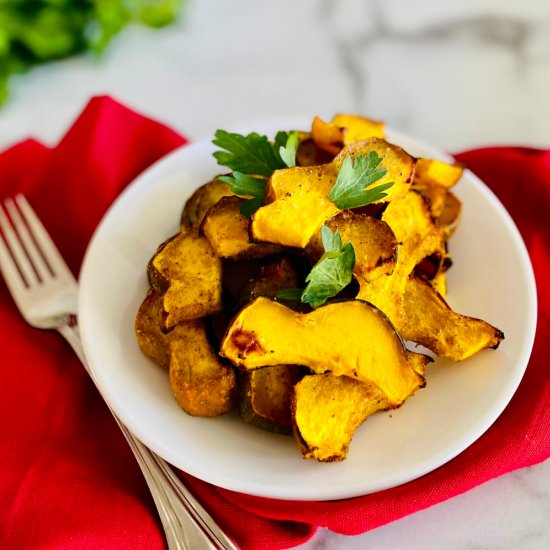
[{"x": 212, "y": 318}]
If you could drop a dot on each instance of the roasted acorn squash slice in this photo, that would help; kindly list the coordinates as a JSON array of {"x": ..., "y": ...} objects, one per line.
[
  {"x": 188, "y": 274},
  {"x": 327, "y": 410},
  {"x": 201, "y": 383},
  {"x": 265, "y": 396},
  {"x": 351, "y": 338},
  {"x": 435, "y": 172},
  {"x": 429, "y": 321},
  {"x": 226, "y": 229},
  {"x": 202, "y": 200}
]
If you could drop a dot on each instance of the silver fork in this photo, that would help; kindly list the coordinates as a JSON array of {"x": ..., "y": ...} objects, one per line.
[{"x": 45, "y": 292}]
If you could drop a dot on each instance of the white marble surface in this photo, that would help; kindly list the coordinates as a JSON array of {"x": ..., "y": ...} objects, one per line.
[{"x": 457, "y": 74}]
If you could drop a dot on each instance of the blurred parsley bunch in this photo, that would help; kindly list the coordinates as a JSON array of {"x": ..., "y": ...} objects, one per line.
[{"x": 36, "y": 31}]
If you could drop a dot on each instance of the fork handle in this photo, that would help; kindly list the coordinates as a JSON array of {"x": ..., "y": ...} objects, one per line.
[{"x": 187, "y": 525}]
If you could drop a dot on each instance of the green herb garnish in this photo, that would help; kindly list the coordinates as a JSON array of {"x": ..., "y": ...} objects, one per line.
[
  {"x": 247, "y": 186},
  {"x": 38, "y": 31},
  {"x": 331, "y": 274},
  {"x": 254, "y": 154},
  {"x": 353, "y": 187},
  {"x": 253, "y": 158},
  {"x": 287, "y": 149}
]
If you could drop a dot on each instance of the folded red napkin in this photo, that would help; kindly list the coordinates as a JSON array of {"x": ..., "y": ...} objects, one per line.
[{"x": 67, "y": 476}]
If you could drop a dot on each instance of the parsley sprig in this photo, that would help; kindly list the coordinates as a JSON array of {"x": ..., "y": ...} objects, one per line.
[
  {"x": 247, "y": 186},
  {"x": 353, "y": 186},
  {"x": 331, "y": 274},
  {"x": 253, "y": 158}
]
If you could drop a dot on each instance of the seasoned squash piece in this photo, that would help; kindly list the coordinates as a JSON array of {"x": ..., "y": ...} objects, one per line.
[
  {"x": 188, "y": 274},
  {"x": 449, "y": 217},
  {"x": 331, "y": 137},
  {"x": 429, "y": 321},
  {"x": 435, "y": 172},
  {"x": 202, "y": 385},
  {"x": 374, "y": 243},
  {"x": 309, "y": 154},
  {"x": 439, "y": 283},
  {"x": 227, "y": 231},
  {"x": 152, "y": 341},
  {"x": 297, "y": 198},
  {"x": 265, "y": 395},
  {"x": 275, "y": 274},
  {"x": 327, "y": 410},
  {"x": 418, "y": 237},
  {"x": 436, "y": 194},
  {"x": 358, "y": 128},
  {"x": 350, "y": 338},
  {"x": 327, "y": 136},
  {"x": 202, "y": 200}
]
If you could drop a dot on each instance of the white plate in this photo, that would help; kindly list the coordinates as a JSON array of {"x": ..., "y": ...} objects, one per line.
[{"x": 491, "y": 278}]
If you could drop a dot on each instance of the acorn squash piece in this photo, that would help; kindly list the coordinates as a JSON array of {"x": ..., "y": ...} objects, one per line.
[
  {"x": 309, "y": 154},
  {"x": 331, "y": 137},
  {"x": 435, "y": 194},
  {"x": 449, "y": 217},
  {"x": 429, "y": 321},
  {"x": 202, "y": 200},
  {"x": 439, "y": 283},
  {"x": 297, "y": 200},
  {"x": 327, "y": 410},
  {"x": 152, "y": 341},
  {"x": 435, "y": 172},
  {"x": 418, "y": 237},
  {"x": 351, "y": 338},
  {"x": 327, "y": 136},
  {"x": 227, "y": 231},
  {"x": 358, "y": 128},
  {"x": 374, "y": 243},
  {"x": 201, "y": 383},
  {"x": 188, "y": 274},
  {"x": 275, "y": 274},
  {"x": 265, "y": 396}
]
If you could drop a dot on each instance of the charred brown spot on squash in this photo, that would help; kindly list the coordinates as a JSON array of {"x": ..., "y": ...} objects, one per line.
[{"x": 245, "y": 342}]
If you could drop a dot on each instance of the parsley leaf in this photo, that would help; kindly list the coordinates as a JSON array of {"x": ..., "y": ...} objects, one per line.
[
  {"x": 251, "y": 154},
  {"x": 287, "y": 152},
  {"x": 331, "y": 274},
  {"x": 355, "y": 178},
  {"x": 247, "y": 186}
]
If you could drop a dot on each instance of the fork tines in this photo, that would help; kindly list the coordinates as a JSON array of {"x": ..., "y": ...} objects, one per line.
[{"x": 27, "y": 253}]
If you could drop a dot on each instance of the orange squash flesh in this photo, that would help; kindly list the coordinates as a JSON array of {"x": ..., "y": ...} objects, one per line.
[
  {"x": 327, "y": 410},
  {"x": 435, "y": 172},
  {"x": 413, "y": 226},
  {"x": 429, "y": 321},
  {"x": 227, "y": 231},
  {"x": 188, "y": 274},
  {"x": 350, "y": 338},
  {"x": 297, "y": 198}
]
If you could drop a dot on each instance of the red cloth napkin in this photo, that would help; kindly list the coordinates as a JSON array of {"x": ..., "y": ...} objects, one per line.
[{"x": 67, "y": 476}]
